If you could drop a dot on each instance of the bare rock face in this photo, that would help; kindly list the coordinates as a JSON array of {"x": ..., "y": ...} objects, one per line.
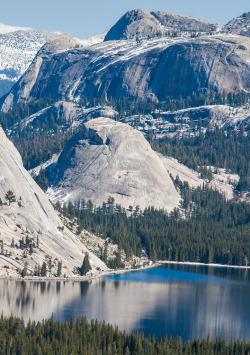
[
  {"x": 110, "y": 159},
  {"x": 65, "y": 111},
  {"x": 32, "y": 215},
  {"x": 137, "y": 71},
  {"x": 218, "y": 115},
  {"x": 138, "y": 24},
  {"x": 239, "y": 25},
  {"x": 181, "y": 23}
]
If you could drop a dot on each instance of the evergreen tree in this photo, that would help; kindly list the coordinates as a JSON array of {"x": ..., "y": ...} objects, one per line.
[
  {"x": 59, "y": 269},
  {"x": 10, "y": 197},
  {"x": 44, "y": 269},
  {"x": 86, "y": 267}
]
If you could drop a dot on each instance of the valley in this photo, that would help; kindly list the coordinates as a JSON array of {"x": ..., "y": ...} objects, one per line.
[{"x": 127, "y": 151}]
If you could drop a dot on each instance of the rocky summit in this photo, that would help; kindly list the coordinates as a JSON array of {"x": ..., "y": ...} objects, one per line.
[
  {"x": 239, "y": 25},
  {"x": 139, "y": 23},
  {"x": 111, "y": 159},
  {"x": 28, "y": 217}
]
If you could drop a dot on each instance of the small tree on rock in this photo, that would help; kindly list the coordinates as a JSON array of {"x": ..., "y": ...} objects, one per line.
[
  {"x": 59, "y": 268},
  {"x": 44, "y": 269},
  {"x": 10, "y": 196},
  {"x": 86, "y": 267}
]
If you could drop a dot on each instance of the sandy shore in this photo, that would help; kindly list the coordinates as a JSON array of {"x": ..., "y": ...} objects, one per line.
[{"x": 97, "y": 275}]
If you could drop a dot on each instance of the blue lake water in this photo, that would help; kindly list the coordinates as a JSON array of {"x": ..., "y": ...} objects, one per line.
[{"x": 185, "y": 300}]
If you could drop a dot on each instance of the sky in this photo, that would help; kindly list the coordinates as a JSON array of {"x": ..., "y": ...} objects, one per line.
[{"x": 81, "y": 18}]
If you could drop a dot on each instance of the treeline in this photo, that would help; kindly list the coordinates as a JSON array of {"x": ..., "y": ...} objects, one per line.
[
  {"x": 39, "y": 140},
  {"x": 22, "y": 110},
  {"x": 206, "y": 229},
  {"x": 47, "y": 135},
  {"x": 229, "y": 151},
  {"x": 83, "y": 337},
  {"x": 38, "y": 147},
  {"x": 129, "y": 107}
]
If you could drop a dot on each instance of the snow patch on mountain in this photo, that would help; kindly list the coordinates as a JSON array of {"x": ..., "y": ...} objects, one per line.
[
  {"x": 8, "y": 29},
  {"x": 90, "y": 41},
  {"x": 17, "y": 51}
]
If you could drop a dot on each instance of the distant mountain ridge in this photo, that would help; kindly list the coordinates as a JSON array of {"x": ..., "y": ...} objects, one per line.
[
  {"x": 136, "y": 24},
  {"x": 18, "y": 47},
  {"x": 8, "y": 29},
  {"x": 146, "y": 71}
]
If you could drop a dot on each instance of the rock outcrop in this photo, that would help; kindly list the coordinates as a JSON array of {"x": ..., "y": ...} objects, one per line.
[
  {"x": 136, "y": 24},
  {"x": 33, "y": 217},
  {"x": 68, "y": 112},
  {"x": 139, "y": 24},
  {"x": 239, "y": 25},
  {"x": 180, "y": 23},
  {"x": 149, "y": 70},
  {"x": 222, "y": 116},
  {"x": 110, "y": 159}
]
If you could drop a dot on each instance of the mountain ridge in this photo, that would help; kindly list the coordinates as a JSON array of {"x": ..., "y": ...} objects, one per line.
[{"x": 162, "y": 67}]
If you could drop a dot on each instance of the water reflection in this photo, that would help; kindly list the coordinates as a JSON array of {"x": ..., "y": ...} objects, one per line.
[{"x": 175, "y": 300}]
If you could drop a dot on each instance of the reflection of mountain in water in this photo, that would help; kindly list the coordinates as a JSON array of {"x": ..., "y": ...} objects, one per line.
[
  {"x": 176, "y": 307},
  {"x": 35, "y": 300}
]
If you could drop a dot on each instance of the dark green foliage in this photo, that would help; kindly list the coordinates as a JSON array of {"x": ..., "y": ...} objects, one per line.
[
  {"x": 128, "y": 107},
  {"x": 22, "y": 110},
  {"x": 82, "y": 337},
  {"x": 38, "y": 147},
  {"x": 86, "y": 267},
  {"x": 211, "y": 229},
  {"x": 10, "y": 197},
  {"x": 24, "y": 271},
  {"x": 228, "y": 151},
  {"x": 39, "y": 140},
  {"x": 59, "y": 269},
  {"x": 42, "y": 180},
  {"x": 44, "y": 269},
  {"x": 47, "y": 135}
]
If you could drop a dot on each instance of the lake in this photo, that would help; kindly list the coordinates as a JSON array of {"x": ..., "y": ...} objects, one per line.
[{"x": 185, "y": 300}]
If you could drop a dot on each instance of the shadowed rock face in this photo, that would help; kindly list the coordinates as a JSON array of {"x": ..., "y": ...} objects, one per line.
[
  {"x": 239, "y": 25},
  {"x": 149, "y": 70},
  {"x": 107, "y": 158}
]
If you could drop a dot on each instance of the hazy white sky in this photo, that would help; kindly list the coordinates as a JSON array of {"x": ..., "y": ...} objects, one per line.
[{"x": 83, "y": 18}]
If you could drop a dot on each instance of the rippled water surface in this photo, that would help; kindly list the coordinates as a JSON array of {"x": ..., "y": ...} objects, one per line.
[{"x": 191, "y": 301}]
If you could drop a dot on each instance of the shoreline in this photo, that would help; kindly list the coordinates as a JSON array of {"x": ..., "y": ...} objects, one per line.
[
  {"x": 114, "y": 272},
  {"x": 76, "y": 278},
  {"x": 193, "y": 263}
]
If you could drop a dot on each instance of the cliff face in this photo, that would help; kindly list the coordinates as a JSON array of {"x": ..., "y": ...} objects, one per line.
[
  {"x": 110, "y": 159},
  {"x": 33, "y": 216},
  {"x": 148, "y": 70}
]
